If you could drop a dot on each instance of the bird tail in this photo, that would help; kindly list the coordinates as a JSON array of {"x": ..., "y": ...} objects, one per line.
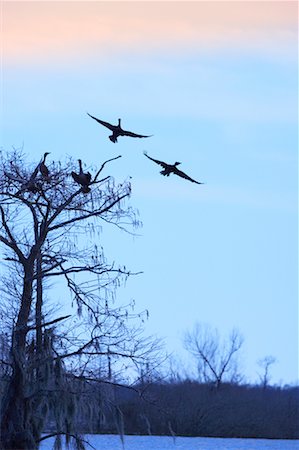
[
  {"x": 113, "y": 138},
  {"x": 165, "y": 173}
]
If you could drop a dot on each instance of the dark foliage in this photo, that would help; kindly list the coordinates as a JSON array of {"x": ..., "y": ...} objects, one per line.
[{"x": 196, "y": 409}]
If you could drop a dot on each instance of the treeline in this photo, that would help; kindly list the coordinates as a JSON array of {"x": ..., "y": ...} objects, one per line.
[
  {"x": 189, "y": 408},
  {"x": 179, "y": 408}
]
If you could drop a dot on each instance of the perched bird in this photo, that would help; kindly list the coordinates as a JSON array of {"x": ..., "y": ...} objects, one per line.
[
  {"x": 171, "y": 168},
  {"x": 31, "y": 184},
  {"x": 117, "y": 130},
  {"x": 82, "y": 178},
  {"x": 42, "y": 166}
]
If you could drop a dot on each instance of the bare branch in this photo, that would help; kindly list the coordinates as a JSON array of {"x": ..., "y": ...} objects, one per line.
[
  {"x": 87, "y": 216},
  {"x": 12, "y": 243},
  {"x": 49, "y": 323},
  {"x": 102, "y": 167},
  {"x": 48, "y": 436}
]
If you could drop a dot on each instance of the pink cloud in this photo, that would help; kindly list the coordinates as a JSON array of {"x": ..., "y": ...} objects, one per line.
[{"x": 55, "y": 30}]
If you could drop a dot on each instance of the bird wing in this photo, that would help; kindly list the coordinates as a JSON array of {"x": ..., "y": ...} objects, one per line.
[
  {"x": 88, "y": 177},
  {"x": 75, "y": 176},
  {"x": 184, "y": 175},
  {"x": 106, "y": 124},
  {"x": 161, "y": 163},
  {"x": 34, "y": 173},
  {"x": 131, "y": 134}
]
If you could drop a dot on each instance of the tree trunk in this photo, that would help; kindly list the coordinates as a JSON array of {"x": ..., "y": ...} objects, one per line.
[
  {"x": 39, "y": 303},
  {"x": 16, "y": 423}
]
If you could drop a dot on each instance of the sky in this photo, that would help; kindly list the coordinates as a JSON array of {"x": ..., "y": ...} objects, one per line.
[{"x": 216, "y": 83}]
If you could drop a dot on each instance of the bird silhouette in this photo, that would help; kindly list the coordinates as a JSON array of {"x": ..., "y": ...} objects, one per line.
[
  {"x": 117, "y": 130},
  {"x": 171, "y": 168},
  {"x": 42, "y": 166},
  {"x": 33, "y": 184},
  {"x": 82, "y": 178}
]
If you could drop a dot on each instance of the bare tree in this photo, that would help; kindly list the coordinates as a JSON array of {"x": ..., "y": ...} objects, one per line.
[
  {"x": 50, "y": 225},
  {"x": 265, "y": 364},
  {"x": 216, "y": 359}
]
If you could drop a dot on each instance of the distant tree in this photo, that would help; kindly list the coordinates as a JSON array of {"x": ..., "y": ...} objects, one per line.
[
  {"x": 175, "y": 371},
  {"x": 50, "y": 225},
  {"x": 217, "y": 359},
  {"x": 265, "y": 364}
]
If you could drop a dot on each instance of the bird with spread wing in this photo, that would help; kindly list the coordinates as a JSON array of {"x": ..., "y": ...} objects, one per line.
[
  {"x": 82, "y": 178},
  {"x": 172, "y": 168},
  {"x": 117, "y": 130}
]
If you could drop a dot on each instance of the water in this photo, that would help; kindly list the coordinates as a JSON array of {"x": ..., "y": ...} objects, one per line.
[{"x": 113, "y": 442}]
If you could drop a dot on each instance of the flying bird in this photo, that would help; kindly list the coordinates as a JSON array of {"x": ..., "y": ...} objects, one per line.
[
  {"x": 171, "y": 168},
  {"x": 42, "y": 166},
  {"x": 117, "y": 130},
  {"x": 82, "y": 178}
]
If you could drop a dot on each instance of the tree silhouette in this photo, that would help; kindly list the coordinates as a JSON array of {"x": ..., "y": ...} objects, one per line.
[
  {"x": 50, "y": 230},
  {"x": 265, "y": 364},
  {"x": 216, "y": 358}
]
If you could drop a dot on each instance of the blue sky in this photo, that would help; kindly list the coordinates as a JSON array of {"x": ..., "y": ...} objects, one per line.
[{"x": 222, "y": 99}]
